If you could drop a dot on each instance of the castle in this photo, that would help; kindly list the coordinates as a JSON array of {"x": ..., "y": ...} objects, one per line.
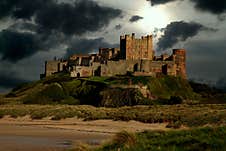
[{"x": 135, "y": 56}]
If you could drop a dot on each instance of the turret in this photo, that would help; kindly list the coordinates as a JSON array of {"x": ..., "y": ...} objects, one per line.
[{"x": 180, "y": 61}]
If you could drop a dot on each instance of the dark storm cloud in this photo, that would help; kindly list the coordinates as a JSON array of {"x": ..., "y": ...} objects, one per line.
[
  {"x": 135, "y": 18},
  {"x": 6, "y": 7},
  {"x": 70, "y": 18},
  {"x": 213, "y": 6},
  {"x": 118, "y": 27},
  {"x": 15, "y": 45},
  {"x": 24, "y": 26},
  {"x": 80, "y": 17},
  {"x": 206, "y": 58},
  {"x": 44, "y": 24},
  {"x": 221, "y": 83},
  {"x": 85, "y": 46},
  {"x": 178, "y": 32},
  {"x": 10, "y": 80},
  {"x": 21, "y": 8},
  {"x": 22, "y": 40},
  {"x": 158, "y": 2}
]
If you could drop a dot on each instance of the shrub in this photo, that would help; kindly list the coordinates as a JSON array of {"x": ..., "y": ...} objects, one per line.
[
  {"x": 172, "y": 101},
  {"x": 88, "y": 92},
  {"x": 1, "y": 115},
  {"x": 176, "y": 125},
  {"x": 11, "y": 95},
  {"x": 70, "y": 101},
  {"x": 116, "y": 97},
  {"x": 54, "y": 91},
  {"x": 71, "y": 87},
  {"x": 140, "y": 79},
  {"x": 167, "y": 86},
  {"x": 39, "y": 115},
  {"x": 175, "y": 100}
]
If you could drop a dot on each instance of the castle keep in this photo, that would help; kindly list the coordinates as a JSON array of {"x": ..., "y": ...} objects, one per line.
[
  {"x": 135, "y": 56},
  {"x": 136, "y": 49}
]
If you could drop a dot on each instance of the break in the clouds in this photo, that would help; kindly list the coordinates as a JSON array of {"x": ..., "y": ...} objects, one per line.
[
  {"x": 135, "y": 18},
  {"x": 212, "y": 6},
  {"x": 85, "y": 46},
  {"x": 178, "y": 32}
]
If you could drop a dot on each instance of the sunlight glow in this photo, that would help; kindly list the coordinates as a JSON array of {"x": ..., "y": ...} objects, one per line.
[{"x": 154, "y": 17}]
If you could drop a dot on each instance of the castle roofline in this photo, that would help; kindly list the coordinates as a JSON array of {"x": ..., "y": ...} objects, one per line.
[
  {"x": 134, "y": 36},
  {"x": 80, "y": 55}
]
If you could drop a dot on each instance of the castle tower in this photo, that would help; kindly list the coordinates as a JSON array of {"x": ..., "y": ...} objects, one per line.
[
  {"x": 180, "y": 61},
  {"x": 136, "y": 49}
]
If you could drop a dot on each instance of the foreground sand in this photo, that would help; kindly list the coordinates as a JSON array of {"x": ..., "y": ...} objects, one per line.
[{"x": 25, "y": 134}]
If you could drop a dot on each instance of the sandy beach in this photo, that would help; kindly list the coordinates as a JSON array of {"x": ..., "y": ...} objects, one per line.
[{"x": 24, "y": 134}]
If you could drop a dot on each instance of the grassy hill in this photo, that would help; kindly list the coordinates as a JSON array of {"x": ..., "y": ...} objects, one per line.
[
  {"x": 83, "y": 94},
  {"x": 104, "y": 91}
]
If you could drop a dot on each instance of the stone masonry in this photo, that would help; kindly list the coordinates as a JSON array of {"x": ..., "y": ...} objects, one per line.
[
  {"x": 136, "y": 49},
  {"x": 135, "y": 56}
]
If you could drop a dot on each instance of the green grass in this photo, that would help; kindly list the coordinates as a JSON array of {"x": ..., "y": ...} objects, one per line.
[
  {"x": 88, "y": 90},
  {"x": 163, "y": 87},
  {"x": 168, "y": 86},
  {"x": 60, "y": 77},
  {"x": 61, "y": 88},
  {"x": 51, "y": 94},
  {"x": 201, "y": 139},
  {"x": 175, "y": 115},
  {"x": 70, "y": 87},
  {"x": 100, "y": 79}
]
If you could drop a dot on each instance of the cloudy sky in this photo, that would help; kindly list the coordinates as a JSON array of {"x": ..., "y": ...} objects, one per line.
[{"x": 38, "y": 30}]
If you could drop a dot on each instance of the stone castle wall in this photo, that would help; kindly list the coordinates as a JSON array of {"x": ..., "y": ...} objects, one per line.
[
  {"x": 135, "y": 56},
  {"x": 138, "y": 67},
  {"x": 180, "y": 61},
  {"x": 135, "y": 49},
  {"x": 51, "y": 67},
  {"x": 120, "y": 67}
]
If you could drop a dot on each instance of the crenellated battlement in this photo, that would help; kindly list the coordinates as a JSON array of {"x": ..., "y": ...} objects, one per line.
[
  {"x": 133, "y": 48},
  {"x": 135, "y": 55}
]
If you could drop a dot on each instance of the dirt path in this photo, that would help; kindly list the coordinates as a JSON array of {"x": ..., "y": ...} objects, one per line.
[{"x": 26, "y": 134}]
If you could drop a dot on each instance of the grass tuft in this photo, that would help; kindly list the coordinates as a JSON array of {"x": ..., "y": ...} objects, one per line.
[{"x": 124, "y": 139}]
